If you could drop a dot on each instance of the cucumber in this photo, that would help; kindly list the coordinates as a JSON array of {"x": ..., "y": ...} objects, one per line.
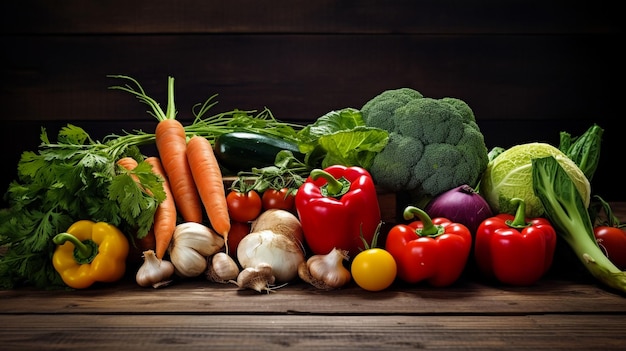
[{"x": 242, "y": 151}]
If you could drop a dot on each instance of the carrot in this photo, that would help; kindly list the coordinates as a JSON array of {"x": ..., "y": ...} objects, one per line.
[
  {"x": 129, "y": 163},
  {"x": 172, "y": 145},
  {"x": 139, "y": 246},
  {"x": 148, "y": 242},
  {"x": 171, "y": 142},
  {"x": 165, "y": 215},
  {"x": 208, "y": 178}
]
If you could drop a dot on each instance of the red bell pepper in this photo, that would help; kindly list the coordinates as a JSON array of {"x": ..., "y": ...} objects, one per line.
[
  {"x": 435, "y": 250},
  {"x": 513, "y": 249},
  {"x": 336, "y": 206}
]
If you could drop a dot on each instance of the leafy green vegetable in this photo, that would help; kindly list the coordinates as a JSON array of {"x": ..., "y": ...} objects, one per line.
[
  {"x": 583, "y": 150},
  {"x": 566, "y": 210},
  {"x": 341, "y": 137},
  {"x": 72, "y": 179},
  {"x": 287, "y": 172},
  {"x": 355, "y": 147},
  {"x": 495, "y": 152},
  {"x": 137, "y": 205},
  {"x": 509, "y": 175}
]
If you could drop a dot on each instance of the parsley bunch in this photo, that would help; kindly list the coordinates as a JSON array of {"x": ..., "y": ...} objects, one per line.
[{"x": 75, "y": 178}]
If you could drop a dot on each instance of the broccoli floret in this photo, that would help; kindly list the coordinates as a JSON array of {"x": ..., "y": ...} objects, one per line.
[{"x": 434, "y": 144}]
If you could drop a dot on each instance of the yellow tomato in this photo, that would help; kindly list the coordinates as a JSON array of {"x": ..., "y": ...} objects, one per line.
[{"x": 374, "y": 269}]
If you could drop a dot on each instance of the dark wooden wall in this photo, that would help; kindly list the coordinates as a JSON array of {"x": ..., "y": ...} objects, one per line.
[{"x": 529, "y": 69}]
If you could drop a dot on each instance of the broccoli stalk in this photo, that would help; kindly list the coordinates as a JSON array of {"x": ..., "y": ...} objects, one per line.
[{"x": 565, "y": 209}]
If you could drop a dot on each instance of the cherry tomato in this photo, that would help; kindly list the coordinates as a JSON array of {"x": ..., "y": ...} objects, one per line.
[
  {"x": 612, "y": 240},
  {"x": 374, "y": 269},
  {"x": 282, "y": 199},
  {"x": 237, "y": 231},
  {"x": 244, "y": 206}
]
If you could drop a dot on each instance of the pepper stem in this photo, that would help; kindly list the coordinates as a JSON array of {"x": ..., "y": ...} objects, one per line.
[
  {"x": 84, "y": 251},
  {"x": 333, "y": 187},
  {"x": 429, "y": 229},
  {"x": 519, "y": 221}
]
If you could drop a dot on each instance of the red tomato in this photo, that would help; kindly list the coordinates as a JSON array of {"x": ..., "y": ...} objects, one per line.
[
  {"x": 237, "y": 231},
  {"x": 244, "y": 206},
  {"x": 612, "y": 240},
  {"x": 282, "y": 199}
]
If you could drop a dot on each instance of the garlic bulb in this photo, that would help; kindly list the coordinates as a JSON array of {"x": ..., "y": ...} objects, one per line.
[
  {"x": 279, "y": 251},
  {"x": 154, "y": 272},
  {"x": 190, "y": 246},
  {"x": 222, "y": 268},
  {"x": 280, "y": 222},
  {"x": 326, "y": 271}
]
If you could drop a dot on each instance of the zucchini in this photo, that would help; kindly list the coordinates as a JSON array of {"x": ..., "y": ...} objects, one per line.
[{"x": 242, "y": 151}]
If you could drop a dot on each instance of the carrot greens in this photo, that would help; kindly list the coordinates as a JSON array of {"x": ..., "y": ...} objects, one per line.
[{"x": 64, "y": 181}]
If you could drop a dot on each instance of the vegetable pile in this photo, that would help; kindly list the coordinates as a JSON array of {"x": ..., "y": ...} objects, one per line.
[{"x": 302, "y": 202}]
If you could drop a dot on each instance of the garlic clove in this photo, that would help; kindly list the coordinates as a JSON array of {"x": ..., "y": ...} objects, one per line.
[
  {"x": 188, "y": 263},
  {"x": 154, "y": 272},
  {"x": 222, "y": 268},
  {"x": 280, "y": 222},
  {"x": 305, "y": 275},
  {"x": 190, "y": 246},
  {"x": 327, "y": 271}
]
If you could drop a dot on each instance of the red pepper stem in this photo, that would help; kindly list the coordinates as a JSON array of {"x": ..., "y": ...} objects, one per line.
[
  {"x": 334, "y": 187},
  {"x": 429, "y": 228},
  {"x": 84, "y": 251},
  {"x": 519, "y": 221}
]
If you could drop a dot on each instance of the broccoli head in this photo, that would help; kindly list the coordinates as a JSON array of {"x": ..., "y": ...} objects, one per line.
[{"x": 434, "y": 144}]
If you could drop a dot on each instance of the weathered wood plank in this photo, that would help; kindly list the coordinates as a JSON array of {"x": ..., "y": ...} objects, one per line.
[
  {"x": 465, "y": 298},
  {"x": 525, "y": 67},
  {"x": 326, "y": 16},
  {"x": 301, "y": 77},
  {"x": 272, "y": 332}
]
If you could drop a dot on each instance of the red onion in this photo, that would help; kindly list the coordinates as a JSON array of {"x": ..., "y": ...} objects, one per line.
[{"x": 460, "y": 205}]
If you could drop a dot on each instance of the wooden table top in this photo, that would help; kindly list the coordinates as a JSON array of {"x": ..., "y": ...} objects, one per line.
[{"x": 562, "y": 311}]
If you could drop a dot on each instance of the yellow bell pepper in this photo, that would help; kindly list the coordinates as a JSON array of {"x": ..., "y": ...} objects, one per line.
[{"x": 90, "y": 252}]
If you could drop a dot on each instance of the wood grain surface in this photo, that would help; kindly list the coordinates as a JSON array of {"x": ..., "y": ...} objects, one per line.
[{"x": 196, "y": 314}]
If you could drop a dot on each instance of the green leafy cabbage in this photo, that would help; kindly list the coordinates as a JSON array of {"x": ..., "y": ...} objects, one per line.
[{"x": 509, "y": 175}]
